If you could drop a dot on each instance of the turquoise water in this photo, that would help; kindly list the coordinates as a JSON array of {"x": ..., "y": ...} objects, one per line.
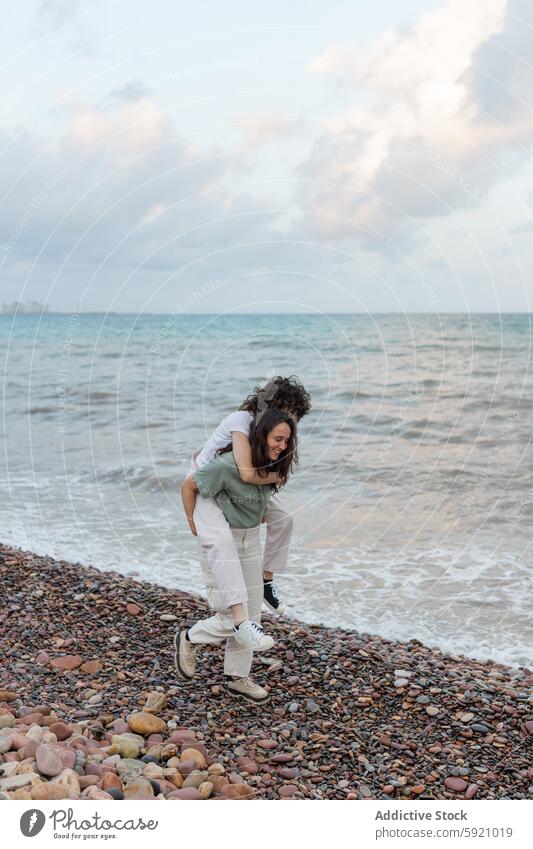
[{"x": 413, "y": 499}]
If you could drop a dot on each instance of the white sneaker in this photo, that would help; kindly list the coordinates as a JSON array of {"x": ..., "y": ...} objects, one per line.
[
  {"x": 248, "y": 689},
  {"x": 251, "y": 636}
]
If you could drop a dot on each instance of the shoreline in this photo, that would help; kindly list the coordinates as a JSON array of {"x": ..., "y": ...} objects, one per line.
[
  {"x": 351, "y": 716},
  {"x": 306, "y": 618}
]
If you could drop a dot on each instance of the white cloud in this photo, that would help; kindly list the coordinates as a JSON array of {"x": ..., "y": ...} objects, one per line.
[
  {"x": 73, "y": 24},
  {"x": 129, "y": 92},
  {"x": 440, "y": 114},
  {"x": 55, "y": 14},
  {"x": 121, "y": 188},
  {"x": 260, "y": 129},
  {"x": 424, "y": 144}
]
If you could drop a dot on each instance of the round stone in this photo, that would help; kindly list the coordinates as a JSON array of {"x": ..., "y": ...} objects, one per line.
[
  {"x": 456, "y": 784},
  {"x": 146, "y": 723},
  {"x": 115, "y": 793}
]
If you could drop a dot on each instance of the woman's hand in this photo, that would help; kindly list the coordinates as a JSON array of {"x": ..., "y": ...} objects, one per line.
[
  {"x": 188, "y": 496},
  {"x": 243, "y": 458}
]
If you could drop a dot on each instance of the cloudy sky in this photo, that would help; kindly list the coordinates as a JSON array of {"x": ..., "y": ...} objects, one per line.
[{"x": 367, "y": 155}]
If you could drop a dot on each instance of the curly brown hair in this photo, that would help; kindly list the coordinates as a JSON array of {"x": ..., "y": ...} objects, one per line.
[
  {"x": 259, "y": 431},
  {"x": 291, "y": 396}
]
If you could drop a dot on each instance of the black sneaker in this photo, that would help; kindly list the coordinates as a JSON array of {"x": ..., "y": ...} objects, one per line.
[{"x": 270, "y": 597}]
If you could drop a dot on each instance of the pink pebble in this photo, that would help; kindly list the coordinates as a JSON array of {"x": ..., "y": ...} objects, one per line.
[
  {"x": 153, "y": 739},
  {"x": 188, "y": 793},
  {"x": 186, "y": 767},
  {"x": 287, "y": 790},
  {"x": 93, "y": 792},
  {"x": 247, "y": 765},
  {"x": 19, "y": 740},
  {"x": 96, "y": 769},
  {"x": 87, "y": 780},
  {"x": 61, "y": 730},
  {"x": 29, "y": 749},
  {"x": 182, "y": 735},
  {"x": 456, "y": 784}
]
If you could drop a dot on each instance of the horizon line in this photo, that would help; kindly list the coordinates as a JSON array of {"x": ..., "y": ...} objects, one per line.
[{"x": 233, "y": 314}]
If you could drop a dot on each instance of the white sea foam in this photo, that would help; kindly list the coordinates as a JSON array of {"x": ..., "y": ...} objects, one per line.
[{"x": 464, "y": 602}]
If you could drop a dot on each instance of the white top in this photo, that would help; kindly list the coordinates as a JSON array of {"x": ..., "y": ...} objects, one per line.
[{"x": 241, "y": 421}]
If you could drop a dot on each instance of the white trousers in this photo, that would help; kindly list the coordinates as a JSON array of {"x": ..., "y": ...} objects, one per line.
[
  {"x": 218, "y": 552},
  {"x": 219, "y": 628}
]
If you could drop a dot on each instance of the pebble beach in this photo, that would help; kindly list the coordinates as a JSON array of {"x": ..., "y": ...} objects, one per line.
[{"x": 91, "y": 708}]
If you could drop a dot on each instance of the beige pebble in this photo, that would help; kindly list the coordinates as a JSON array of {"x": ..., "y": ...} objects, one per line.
[
  {"x": 68, "y": 778},
  {"x": 48, "y": 790},
  {"x": 23, "y": 793},
  {"x": 206, "y": 789},
  {"x": 194, "y": 779},
  {"x": 155, "y": 702},
  {"x": 27, "y": 766},
  {"x": 216, "y": 769},
  {"x": 152, "y": 770},
  {"x": 146, "y": 723},
  {"x": 194, "y": 755},
  {"x": 9, "y": 768},
  {"x": 16, "y": 781}
]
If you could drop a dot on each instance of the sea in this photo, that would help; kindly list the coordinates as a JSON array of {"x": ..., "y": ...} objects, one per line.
[{"x": 412, "y": 498}]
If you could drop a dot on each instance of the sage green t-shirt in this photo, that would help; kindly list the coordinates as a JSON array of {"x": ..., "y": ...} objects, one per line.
[{"x": 243, "y": 504}]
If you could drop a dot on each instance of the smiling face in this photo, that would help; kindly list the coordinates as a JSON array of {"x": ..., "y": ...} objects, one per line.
[{"x": 277, "y": 440}]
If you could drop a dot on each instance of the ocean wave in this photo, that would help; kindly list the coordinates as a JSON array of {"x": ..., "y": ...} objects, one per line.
[
  {"x": 100, "y": 395},
  {"x": 138, "y": 477},
  {"x": 352, "y": 395},
  {"x": 430, "y": 382},
  {"x": 427, "y": 347},
  {"x": 480, "y": 347}
]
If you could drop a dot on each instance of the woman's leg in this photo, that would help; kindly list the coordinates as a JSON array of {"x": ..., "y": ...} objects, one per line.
[
  {"x": 214, "y": 630},
  {"x": 279, "y": 531},
  {"x": 220, "y": 560},
  {"x": 238, "y": 660},
  {"x": 246, "y": 635},
  {"x": 207, "y": 631},
  {"x": 219, "y": 628}
]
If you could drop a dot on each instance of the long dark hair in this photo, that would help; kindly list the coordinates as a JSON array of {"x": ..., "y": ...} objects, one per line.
[
  {"x": 290, "y": 394},
  {"x": 259, "y": 431}
]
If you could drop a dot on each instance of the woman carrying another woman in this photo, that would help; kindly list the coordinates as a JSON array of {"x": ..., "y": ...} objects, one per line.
[{"x": 237, "y": 592}]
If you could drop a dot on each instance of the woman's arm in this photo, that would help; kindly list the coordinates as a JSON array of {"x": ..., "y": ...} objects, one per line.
[
  {"x": 189, "y": 490},
  {"x": 242, "y": 452}
]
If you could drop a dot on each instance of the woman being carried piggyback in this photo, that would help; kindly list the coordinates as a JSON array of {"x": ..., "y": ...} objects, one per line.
[
  {"x": 237, "y": 585},
  {"x": 204, "y": 515}
]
